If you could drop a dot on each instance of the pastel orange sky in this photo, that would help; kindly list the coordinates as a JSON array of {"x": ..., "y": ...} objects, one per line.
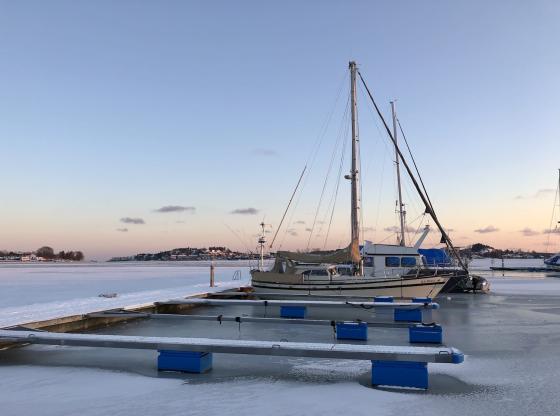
[{"x": 112, "y": 112}]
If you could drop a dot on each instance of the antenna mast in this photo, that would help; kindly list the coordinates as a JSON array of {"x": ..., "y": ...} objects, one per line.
[
  {"x": 401, "y": 210},
  {"x": 262, "y": 241}
]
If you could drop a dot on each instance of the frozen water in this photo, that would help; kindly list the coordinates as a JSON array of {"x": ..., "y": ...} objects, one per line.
[
  {"x": 48, "y": 291},
  {"x": 511, "y": 338}
]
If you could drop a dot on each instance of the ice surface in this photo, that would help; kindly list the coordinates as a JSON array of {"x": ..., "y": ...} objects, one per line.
[
  {"x": 511, "y": 337},
  {"x": 42, "y": 292}
]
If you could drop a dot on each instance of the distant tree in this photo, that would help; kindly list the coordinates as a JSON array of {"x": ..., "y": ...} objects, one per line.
[
  {"x": 61, "y": 255},
  {"x": 46, "y": 252},
  {"x": 78, "y": 256}
]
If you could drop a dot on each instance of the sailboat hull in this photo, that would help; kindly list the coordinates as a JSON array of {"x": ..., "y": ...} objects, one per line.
[{"x": 405, "y": 287}]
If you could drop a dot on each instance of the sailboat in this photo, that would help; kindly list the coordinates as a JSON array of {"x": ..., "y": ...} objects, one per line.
[{"x": 359, "y": 270}]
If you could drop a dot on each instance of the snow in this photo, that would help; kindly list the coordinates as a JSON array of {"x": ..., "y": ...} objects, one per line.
[
  {"x": 525, "y": 286},
  {"x": 510, "y": 338},
  {"x": 25, "y": 284},
  {"x": 66, "y": 391},
  {"x": 74, "y": 289}
]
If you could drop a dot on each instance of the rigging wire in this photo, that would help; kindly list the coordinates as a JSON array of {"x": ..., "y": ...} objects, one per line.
[
  {"x": 426, "y": 201},
  {"x": 335, "y": 195},
  {"x": 239, "y": 238},
  {"x": 414, "y": 162},
  {"x": 327, "y": 176},
  {"x": 288, "y": 207},
  {"x": 313, "y": 154},
  {"x": 387, "y": 152},
  {"x": 550, "y": 229}
]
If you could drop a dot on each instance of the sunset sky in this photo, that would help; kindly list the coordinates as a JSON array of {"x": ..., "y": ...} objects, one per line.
[{"x": 137, "y": 126}]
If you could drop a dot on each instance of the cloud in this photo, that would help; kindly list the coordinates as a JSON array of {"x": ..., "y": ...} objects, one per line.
[
  {"x": 175, "y": 208},
  {"x": 128, "y": 220},
  {"x": 395, "y": 229},
  {"x": 486, "y": 230},
  {"x": 539, "y": 194},
  {"x": 308, "y": 229},
  {"x": 180, "y": 222},
  {"x": 544, "y": 192},
  {"x": 368, "y": 229},
  {"x": 261, "y": 151},
  {"x": 245, "y": 211},
  {"x": 299, "y": 222},
  {"x": 293, "y": 233},
  {"x": 122, "y": 230},
  {"x": 553, "y": 231},
  {"x": 528, "y": 232}
]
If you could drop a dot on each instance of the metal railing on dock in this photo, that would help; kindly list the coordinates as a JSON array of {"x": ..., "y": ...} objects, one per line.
[
  {"x": 316, "y": 303},
  {"x": 294, "y": 349}
]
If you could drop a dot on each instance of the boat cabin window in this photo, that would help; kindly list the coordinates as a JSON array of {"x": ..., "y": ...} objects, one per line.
[
  {"x": 392, "y": 262},
  {"x": 408, "y": 261},
  {"x": 321, "y": 272},
  {"x": 344, "y": 271},
  {"x": 368, "y": 261}
]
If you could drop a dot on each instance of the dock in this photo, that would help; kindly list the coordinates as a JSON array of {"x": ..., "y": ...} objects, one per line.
[
  {"x": 292, "y": 349},
  {"x": 393, "y": 365}
]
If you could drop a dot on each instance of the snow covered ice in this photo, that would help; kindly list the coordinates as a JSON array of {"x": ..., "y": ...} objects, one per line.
[{"x": 510, "y": 338}]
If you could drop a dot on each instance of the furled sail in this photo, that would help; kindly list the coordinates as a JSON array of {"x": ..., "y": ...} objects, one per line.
[{"x": 348, "y": 254}]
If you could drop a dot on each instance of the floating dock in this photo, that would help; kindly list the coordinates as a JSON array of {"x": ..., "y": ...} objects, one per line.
[
  {"x": 234, "y": 346},
  {"x": 400, "y": 366}
]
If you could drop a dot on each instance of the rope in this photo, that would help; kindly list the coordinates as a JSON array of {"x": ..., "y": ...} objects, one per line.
[{"x": 361, "y": 305}]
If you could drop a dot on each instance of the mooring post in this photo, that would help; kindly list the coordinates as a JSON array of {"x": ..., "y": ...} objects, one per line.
[{"x": 212, "y": 274}]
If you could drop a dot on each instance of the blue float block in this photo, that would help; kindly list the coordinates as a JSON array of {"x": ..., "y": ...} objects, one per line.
[
  {"x": 293, "y": 312},
  {"x": 388, "y": 299},
  {"x": 432, "y": 334},
  {"x": 421, "y": 300},
  {"x": 408, "y": 315},
  {"x": 187, "y": 361},
  {"x": 352, "y": 330},
  {"x": 399, "y": 374}
]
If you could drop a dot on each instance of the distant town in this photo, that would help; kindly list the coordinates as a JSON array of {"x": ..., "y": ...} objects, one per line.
[
  {"x": 48, "y": 254},
  {"x": 44, "y": 253},
  {"x": 479, "y": 251},
  {"x": 191, "y": 253}
]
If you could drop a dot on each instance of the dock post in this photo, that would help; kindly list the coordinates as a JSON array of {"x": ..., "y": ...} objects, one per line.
[{"x": 212, "y": 274}]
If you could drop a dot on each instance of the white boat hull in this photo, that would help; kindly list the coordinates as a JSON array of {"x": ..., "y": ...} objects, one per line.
[{"x": 410, "y": 287}]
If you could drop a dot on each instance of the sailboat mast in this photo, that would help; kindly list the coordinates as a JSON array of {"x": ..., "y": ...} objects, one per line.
[
  {"x": 397, "y": 165},
  {"x": 354, "y": 174}
]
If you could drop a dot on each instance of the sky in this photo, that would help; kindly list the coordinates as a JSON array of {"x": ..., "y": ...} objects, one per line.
[{"x": 140, "y": 126}]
